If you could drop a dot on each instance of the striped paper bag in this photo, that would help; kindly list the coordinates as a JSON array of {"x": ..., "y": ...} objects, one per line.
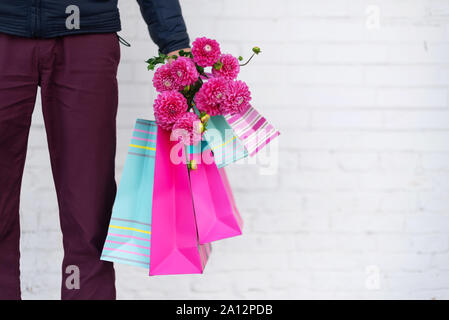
[
  {"x": 129, "y": 234},
  {"x": 223, "y": 142},
  {"x": 253, "y": 130}
]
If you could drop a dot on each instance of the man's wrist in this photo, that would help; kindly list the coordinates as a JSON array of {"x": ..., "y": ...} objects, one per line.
[{"x": 176, "y": 53}]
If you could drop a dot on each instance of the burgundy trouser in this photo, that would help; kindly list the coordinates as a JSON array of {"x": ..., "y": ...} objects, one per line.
[{"x": 77, "y": 76}]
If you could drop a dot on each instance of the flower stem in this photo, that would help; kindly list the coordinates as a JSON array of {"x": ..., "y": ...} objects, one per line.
[{"x": 242, "y": 65}]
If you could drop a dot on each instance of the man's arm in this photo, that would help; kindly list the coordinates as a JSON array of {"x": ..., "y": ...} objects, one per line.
[{"x": 165, "y": 23}]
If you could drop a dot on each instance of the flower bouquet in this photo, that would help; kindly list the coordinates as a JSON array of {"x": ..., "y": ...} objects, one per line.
[{"x": 174, "y": 198}]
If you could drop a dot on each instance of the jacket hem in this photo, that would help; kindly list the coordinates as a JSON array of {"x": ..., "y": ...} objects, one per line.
[
  {"x": 62, "y": 33},
  {"x": 10, "y": 26}
]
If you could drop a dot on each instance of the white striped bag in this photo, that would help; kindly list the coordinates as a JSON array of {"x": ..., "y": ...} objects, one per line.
[{"x": 252, "y": 128}]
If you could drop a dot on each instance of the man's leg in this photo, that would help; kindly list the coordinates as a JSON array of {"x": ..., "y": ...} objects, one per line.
[
  {"x": 18, "y": 87},
  {"x": 79, "y": 99}
]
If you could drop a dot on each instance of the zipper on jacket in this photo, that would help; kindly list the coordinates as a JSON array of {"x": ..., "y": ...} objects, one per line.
[
  {"x": 35, "y": 22},
  {"x": 38, "y": 18},
  {"x": 32, "y": 17}
]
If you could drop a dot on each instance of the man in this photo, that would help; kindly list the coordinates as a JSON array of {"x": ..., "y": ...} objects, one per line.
[{"x": 70, "y": 49}]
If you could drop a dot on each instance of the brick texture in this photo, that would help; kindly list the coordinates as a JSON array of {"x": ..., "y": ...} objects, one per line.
[{"x": 359, "y": 205}]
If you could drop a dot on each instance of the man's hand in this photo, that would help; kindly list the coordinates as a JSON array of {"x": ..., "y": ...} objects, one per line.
[{"x": 176, "y": 53}]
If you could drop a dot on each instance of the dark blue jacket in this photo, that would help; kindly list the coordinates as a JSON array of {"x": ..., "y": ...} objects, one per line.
[{"x": 53, "y": 18}]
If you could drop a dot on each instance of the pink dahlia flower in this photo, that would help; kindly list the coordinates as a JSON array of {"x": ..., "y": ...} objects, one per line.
[
  {"x": 163, "y": 79},
  {"x": 184, "y": 71},
  {"x": 205, "y": 51},
  {"x": 238, "y": 97},
  {"x": 230, "y": 67},
  {"x": 169, "y": 106},
  {"x": 188, "y": 129},
  {"x": 211, "y": 95}
]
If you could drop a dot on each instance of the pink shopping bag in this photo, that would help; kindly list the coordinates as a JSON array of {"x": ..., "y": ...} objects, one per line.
[
  {"x": 228, "y": 188},
  {"x": 174, "y": 240},
  {"x": 216, "y": 214}
]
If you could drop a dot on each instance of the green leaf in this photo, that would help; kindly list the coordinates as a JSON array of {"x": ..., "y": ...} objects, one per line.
[
  {"x": 154, "y": 61},
  {"x": 200, "y": 69}
]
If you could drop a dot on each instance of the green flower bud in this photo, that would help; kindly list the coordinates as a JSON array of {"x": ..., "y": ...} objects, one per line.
[
  {"x": 192, "y": 165},
  {"x": 205, "y": 118},
  {"x": 218, "y": 65},
  {"x": 256, "y": 50}
]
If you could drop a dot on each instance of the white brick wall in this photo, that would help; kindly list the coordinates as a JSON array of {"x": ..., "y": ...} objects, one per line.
[{"x": 364, "y": 155}]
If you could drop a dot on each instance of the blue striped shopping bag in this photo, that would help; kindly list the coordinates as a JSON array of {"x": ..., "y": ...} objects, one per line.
[
  {"x": 129, "y": 234},
  {"x": 223, "y": 142}
]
